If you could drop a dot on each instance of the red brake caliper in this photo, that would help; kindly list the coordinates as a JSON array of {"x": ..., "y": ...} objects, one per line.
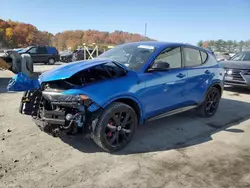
[{"x": 110, "y": 133}]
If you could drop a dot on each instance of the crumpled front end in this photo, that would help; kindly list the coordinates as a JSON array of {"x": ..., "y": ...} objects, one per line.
[{"x": 56, "y": 111}]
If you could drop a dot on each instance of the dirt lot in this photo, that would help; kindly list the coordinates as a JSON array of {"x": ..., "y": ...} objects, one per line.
[{"x": 178, "y": 151}]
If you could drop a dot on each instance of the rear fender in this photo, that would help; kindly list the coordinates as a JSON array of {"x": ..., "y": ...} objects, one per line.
[{"x": 214, "y": 83}]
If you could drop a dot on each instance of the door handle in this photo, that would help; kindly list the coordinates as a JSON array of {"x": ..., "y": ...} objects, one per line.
[
  {"x": 180, "y": 75},
  {"x": 207, "y": 72}
]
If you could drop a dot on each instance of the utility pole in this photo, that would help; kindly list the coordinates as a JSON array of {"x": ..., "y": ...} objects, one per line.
[{"x": 145, "y": 34}]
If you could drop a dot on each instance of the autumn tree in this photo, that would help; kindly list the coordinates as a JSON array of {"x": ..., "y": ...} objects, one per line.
[{"x": 17, "y": 34}]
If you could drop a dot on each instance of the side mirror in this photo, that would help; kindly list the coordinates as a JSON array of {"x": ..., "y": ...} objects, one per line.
[{"x": 160, "y": 66}]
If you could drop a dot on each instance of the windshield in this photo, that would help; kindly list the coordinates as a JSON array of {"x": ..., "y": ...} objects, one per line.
[
  {"x": 24, "y": 49},
  {"x": 133, "y": 56},
  {"x": 241, "y": 57}
]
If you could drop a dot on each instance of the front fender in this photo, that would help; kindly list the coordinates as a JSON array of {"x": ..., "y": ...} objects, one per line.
[{"x": 104, "y": 100}]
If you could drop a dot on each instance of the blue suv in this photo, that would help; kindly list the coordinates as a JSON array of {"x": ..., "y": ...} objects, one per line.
[{"x": 109, "y": 96}]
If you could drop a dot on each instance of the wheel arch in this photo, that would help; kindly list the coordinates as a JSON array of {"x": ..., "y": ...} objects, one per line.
[
  {"x": 133, "y": 103},
  {"x": 216, "y": 84},
  {"x": 51, "y": 57}
]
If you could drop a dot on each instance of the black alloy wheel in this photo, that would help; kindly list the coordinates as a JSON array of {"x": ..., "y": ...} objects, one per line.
[
  {"x": 211, "y": 103},
  {"x": 116, "y": 127}
]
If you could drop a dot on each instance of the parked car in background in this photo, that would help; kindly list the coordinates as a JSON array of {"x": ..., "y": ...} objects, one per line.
[
  {"x": 238, "y": 70},
  {"x": 223, "y": 57},
  {"x": 128, "y": 85},
  {"x": 79, "y": 54},
  {"x": 18, "y": 49},
  {"x": 66, "y": 57},
  {"x": 42, "y": 54}
]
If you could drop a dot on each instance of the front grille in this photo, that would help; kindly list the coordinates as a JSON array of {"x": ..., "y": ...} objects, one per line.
[{"x": 234, "y": 75}]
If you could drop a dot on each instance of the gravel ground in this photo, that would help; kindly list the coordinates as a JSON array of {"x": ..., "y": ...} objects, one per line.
[{"x": 178, "y": 151}]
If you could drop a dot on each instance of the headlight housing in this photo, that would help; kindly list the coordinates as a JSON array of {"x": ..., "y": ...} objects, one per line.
[{"x": 56, "y": 96}]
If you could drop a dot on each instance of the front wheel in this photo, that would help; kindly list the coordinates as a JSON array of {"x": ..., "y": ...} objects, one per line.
[
  {"x": 211, "y": 103},
  {"x": 116, "y": 127}
]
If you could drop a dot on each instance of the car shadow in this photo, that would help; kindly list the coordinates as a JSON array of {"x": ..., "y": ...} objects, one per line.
[{"x": 175, "y": 132}]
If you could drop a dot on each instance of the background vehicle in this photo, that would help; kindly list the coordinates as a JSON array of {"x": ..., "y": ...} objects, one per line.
[
  {"x": 79, "y": 54},
  {"x": 42, "y": 54},
  {"x": 223, "y": 57},
  {"x": 128, "y": 85},
  {"x": 238, "y": 70},
  {"x": 66, "y": 57},
  {"x": 18, "y": 49}
]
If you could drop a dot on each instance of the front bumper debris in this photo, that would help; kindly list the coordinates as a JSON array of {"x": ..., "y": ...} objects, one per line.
[{"x": 56, "y": 113}]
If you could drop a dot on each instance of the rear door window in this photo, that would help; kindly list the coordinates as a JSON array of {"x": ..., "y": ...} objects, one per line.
[{"x": 192, "y": 57}]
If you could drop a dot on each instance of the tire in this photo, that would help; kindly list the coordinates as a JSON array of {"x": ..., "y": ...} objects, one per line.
[
  {"x": 51, "y": 61},
  {"x": 210, "y": 105},
  {"x": 114, "y": 134}
]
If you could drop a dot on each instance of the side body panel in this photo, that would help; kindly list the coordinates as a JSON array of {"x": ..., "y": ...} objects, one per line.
[
  {"x": 164, "y": 91},
  {"x": 200, "y": 78}
]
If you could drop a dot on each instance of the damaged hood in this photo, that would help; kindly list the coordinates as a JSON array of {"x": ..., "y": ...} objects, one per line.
[{"x": 68, "y": 70}]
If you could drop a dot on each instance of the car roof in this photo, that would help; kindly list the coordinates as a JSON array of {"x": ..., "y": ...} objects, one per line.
[
  {"x": 40, "y": 46},
  {"x": 162, "y": 44}
]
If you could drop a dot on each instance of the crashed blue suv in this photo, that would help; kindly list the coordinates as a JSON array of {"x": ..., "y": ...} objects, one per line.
[{"x": 109, "y": 96}]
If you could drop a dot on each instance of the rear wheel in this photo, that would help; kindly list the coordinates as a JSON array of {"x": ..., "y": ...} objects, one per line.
[
  {"x": 116, "y": 127},
  {"x": 211, "y": 103},
  {"x": 51, "y": 61}
]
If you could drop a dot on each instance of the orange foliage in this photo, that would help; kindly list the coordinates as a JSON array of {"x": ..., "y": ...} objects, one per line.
[
  {"x": 17, "y": 34},
  {"x": 205, "y": 44}
]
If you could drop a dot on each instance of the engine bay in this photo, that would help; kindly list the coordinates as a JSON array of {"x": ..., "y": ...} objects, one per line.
[{"x": 89, "y": 76}]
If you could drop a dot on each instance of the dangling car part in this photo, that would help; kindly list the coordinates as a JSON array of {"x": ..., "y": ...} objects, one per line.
[
  {"x": 107, "y": 97},
  {"x": 16, "y": 63}
]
